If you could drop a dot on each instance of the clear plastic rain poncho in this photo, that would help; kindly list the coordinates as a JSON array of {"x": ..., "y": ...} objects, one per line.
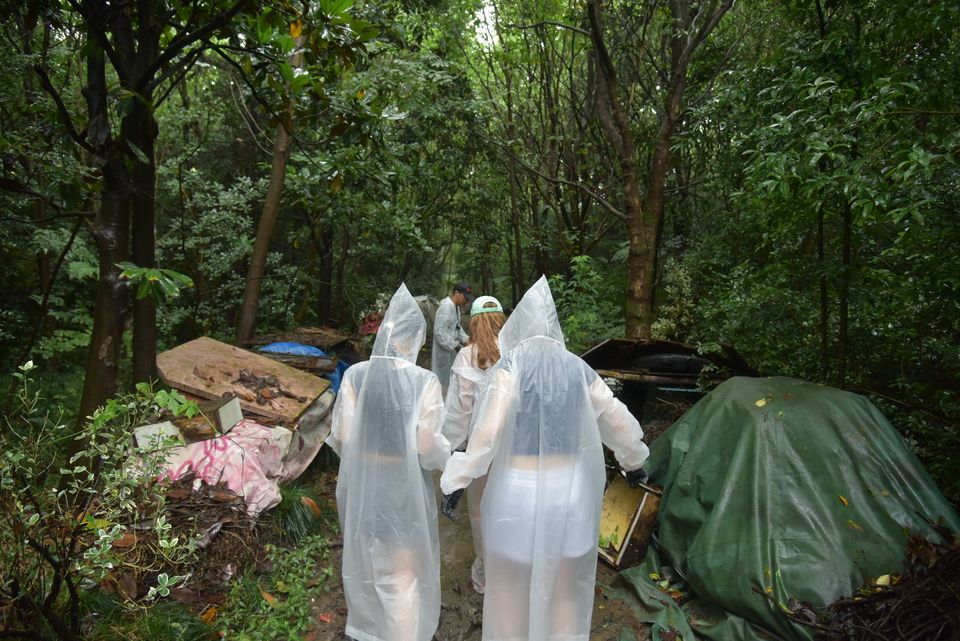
[
  {"x": 539, "y": 430},
  {"x": 447, "y": 336},
  {"x": 468, "y": 383},
  {"x": 387, "y": 430}
]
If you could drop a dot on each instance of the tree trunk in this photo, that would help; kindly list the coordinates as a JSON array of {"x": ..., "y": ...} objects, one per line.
[
  {"x": 247, "y": 323},
  {"x": 268, "y": 218},
  {"x": 616, "y": 126},
  {"x": 142, "y": 131},
  {"x": 844, "y": 295},
  {"x": 325, "y": 241},
  {"x": 643, "y": 215},
  {"x": 111, "y": 234},
  {"x": 824, "y": 307}
]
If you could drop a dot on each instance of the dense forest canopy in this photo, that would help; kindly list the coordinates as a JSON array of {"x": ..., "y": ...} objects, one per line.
[{"x": 780, "y": 176}]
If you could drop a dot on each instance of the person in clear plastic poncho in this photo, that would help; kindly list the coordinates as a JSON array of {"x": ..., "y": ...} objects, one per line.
[
  {"x": 386, "y": 428},
  {"x": 539, "y": 430},
  {"x": 469, "y": 378},
  {"x": 448, "y": 336}
]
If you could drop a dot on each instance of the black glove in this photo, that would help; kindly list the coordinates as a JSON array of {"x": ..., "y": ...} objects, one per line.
[
  {"x": 636, "y": 477},
  {"x": 448, "y": 504}
]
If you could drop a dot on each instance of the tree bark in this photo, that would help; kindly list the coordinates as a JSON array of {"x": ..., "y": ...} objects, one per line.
[
  {"x": 261, "y": 246},
  {"x": 844, "y": 295},
  {"x": 247, "y": 323},
  {"x": 110, "y": 231},
  {"x": 616, "y": 126},
  {"x": 142, "y": 131},
  {"x": 643, "y": 214}
]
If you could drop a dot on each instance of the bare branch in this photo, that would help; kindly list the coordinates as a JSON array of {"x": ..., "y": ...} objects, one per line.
[
  {"x": 61, "y": 108},
  {"x": 561, "y": 181},
  {"x": 554, "y": 23},
  {"x": 185, "y": 40}
]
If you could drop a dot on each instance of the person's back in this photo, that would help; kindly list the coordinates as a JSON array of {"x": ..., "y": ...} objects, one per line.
[
  {"x": 387, "y": 430},
  {"x": 539, "y": 432}
]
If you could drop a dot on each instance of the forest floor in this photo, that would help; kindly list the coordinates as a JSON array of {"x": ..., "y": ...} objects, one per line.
[{"x": 461, "y": 607}]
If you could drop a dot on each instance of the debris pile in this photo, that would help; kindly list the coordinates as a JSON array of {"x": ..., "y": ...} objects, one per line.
[
  {"x": 921, "y": 605},
  {"x": 226, "y": 534}
]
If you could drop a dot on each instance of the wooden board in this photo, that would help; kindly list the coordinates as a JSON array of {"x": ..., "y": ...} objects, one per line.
[
  {"x": 627, "y": 518},
  {"x": 210, "y": 369}
]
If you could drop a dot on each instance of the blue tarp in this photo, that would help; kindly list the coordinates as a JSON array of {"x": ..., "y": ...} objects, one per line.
[{"x": 297, "y": 349}]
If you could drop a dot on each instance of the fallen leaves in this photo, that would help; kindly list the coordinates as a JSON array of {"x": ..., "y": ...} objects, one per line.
[{"x": 326, "y": 617}]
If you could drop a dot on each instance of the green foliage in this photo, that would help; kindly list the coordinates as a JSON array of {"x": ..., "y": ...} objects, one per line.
[
  {"x": 165, "y": 620},
  {"x": 676, "y": 313},
  {"x": 587, "y": 305},
  {"x": 69, "y": 497},
  {"x": 276, "y": 605},
  {"x": 159, "y": 284},
  {"x": 300, "y": 515}
]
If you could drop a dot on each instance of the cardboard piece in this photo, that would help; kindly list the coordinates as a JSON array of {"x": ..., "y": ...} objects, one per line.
[
  {"x": 627, "y": 517},
  {"x": 152, "y": 437},
  {"x": 210, "y": 369}
]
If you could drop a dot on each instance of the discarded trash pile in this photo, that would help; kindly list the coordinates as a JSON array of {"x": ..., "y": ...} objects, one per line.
[
  {"x": 922, "y": 605},
  {"x": 779, "y": 493},
  {"x": 226, "y": 536}
]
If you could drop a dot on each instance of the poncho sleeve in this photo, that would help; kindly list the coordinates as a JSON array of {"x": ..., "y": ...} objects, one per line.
[
  {"x": 344, "y": 412},
  {"x": 459, "y": 405},
  {"x": 432, "y": 447},
  {"x": 619, "y": 430},
  {"x": 485, "y": 438}
]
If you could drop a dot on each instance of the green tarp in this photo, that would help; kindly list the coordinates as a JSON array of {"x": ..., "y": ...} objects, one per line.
[{"x": 777, "y": 489}]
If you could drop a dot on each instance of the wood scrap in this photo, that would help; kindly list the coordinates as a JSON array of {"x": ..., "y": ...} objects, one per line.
[{"x": 210, "y": 369}]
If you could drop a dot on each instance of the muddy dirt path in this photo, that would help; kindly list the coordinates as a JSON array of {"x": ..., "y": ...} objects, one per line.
[{"x": 461, "y": 607}]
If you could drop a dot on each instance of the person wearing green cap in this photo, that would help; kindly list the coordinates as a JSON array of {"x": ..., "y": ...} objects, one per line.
[{"x": 469, "y": 378}]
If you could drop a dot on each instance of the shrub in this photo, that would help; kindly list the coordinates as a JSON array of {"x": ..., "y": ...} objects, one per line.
[{"x": 68, "y": 499}]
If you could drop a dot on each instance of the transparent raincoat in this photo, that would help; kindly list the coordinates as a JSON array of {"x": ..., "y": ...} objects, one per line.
[
  {"x": 539, "y": 430},
  {"x": 387, "y": 430},
  {"x": 447, "y": 336},
  {"x": 468, "y": 383}
]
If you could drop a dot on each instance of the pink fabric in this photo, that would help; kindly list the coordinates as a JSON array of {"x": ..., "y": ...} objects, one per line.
[{"x": 247, "y": 460}]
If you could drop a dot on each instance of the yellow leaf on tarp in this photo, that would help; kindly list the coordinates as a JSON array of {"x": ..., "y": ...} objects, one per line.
[
  {"x": 310, "y": 503},
  {"x": 883, "y": 580},
  {"x": 269, "y": 598},
  {"x": 761, "y": 402},
  {"x": 296, "y": 28},
  {"x": 843, "y": 500}
]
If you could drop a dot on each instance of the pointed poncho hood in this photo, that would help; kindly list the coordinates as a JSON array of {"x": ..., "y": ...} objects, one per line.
[
  {"x": 403, "y": 329},
  {"x": 535, "y": 315}
]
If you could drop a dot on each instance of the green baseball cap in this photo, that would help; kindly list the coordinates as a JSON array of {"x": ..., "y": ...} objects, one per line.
[{"x": 479, "y": 303}]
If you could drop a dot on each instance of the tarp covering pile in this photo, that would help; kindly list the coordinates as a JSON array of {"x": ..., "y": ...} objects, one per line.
[{"x": 776, "y": 492}]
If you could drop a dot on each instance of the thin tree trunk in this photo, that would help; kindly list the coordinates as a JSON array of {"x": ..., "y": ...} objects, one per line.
[
  {"x": 247, "y": 323},
  {"x": 261, "y": 246},
  {"x": 325, "y": 242},
  {"x": 844, "y": 295},
  {"x": 824, "y": 303},
  {"x": 644, "y": 214}
]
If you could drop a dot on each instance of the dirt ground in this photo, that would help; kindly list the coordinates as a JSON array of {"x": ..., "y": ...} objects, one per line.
[{"x": 462, "y": 608}]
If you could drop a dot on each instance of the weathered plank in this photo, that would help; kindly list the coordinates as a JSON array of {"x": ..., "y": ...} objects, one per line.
[{"x": 210, "y": 369}]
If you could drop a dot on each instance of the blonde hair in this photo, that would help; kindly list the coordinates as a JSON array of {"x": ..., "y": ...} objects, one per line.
[{"x": 483, "y": 336}]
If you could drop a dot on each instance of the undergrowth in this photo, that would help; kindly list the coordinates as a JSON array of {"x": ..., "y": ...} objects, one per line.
[{"x": 276, "y": 604}]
